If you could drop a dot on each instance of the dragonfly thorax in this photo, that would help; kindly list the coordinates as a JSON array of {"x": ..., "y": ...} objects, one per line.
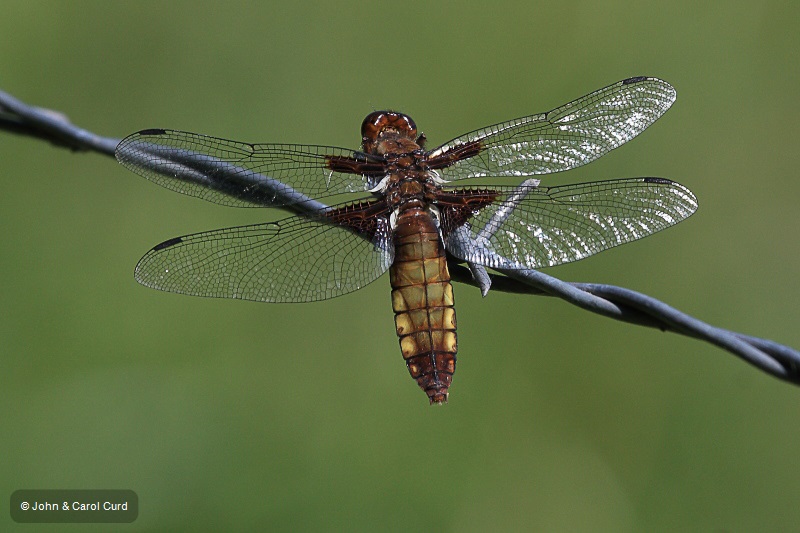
[{"x": 411, "y": 186}]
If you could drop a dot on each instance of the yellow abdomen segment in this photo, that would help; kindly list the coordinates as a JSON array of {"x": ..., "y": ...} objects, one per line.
[{"x": 422, "y": 299}]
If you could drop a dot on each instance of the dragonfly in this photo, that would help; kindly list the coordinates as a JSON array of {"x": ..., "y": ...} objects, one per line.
[{"x": 411, "y": 210}]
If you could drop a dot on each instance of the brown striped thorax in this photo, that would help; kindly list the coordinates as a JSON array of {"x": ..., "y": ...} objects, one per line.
[
  {"x": 393, "y": 136},
  {"x": 412, "y": 216}
]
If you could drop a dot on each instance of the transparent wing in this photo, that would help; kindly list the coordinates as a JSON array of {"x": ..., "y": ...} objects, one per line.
[
  {"x": 245, "y": 175},
  {"x": 564, "y": 138},
  {"x": 296, "y": 259},
  {"x": 532, "y": 227}
]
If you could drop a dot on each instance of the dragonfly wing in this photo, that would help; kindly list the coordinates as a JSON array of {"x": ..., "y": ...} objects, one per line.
[
  {"x": 296, "y": 259},
  {"x": 533, "y": 227},
  {"x": 246, "y": 175},
  {"x": 564, "y": 138}
]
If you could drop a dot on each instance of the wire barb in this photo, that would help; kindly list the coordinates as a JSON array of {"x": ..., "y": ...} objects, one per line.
[{"x": 614, "y": 302}]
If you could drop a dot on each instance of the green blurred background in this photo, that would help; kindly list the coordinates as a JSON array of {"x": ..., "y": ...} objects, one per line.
[{"x": 238, "y": 416}]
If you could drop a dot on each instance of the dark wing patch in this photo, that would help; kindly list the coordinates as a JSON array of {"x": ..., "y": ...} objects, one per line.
[
  {"x": 364, "y": 218},
  {"x": 458, "y": 153},
  {"x": 371, "y": 169},
  {"x": 457, "y": 206}
]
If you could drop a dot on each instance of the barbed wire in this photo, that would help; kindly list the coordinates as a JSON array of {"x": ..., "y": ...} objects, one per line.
[{"x": 611, "y": 301}]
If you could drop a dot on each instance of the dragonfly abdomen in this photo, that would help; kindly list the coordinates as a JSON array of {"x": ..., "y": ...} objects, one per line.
[{"x": 422, "y": 299}]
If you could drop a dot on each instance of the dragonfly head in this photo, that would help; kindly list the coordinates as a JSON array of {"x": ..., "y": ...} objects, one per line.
[{"x": 384, "y": 132}]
